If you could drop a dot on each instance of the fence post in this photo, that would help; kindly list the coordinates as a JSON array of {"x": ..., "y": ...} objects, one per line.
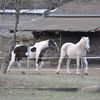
[{"x": 28, "y": 63}]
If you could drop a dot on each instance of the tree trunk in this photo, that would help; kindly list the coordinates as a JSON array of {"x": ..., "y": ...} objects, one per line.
[{"x": 13, "y": 44}]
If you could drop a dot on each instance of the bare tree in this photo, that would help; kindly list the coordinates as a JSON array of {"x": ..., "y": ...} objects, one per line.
[
  {"x": 18, "y": 7},
  {"x": 4, "y": 4},
  {"x": 8, "y": 57},
  {"x": 51, "y": 4}
]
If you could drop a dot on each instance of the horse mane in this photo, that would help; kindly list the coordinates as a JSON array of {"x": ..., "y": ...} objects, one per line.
[{"x": 80, "y": 43}]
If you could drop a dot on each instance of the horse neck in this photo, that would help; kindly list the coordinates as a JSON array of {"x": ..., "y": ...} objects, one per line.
[
  {"x": 80, "y": 44},
  {"x": 44, "y": 44}
]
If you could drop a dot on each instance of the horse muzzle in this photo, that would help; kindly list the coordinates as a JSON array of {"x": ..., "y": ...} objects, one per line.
[{"x": 57, "y": 49}]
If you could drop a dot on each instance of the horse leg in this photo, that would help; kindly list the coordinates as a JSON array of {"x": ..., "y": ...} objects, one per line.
[
  {"x": 59, "y": 64},
  {"x": 37, "y": 64},
  {"x": 41, "y": 64},
  {"x": 37, "y": 68},
  {"x": 86, "y": 66},
  {"x": 10, "y": 64},
  {"x": 78, "y": 65},
  {"x": 19, "y": 65},
  {"x": 68, "y": 62},
  {"x": 11, "y": 61},
  {"x": 38, "y": 60}
]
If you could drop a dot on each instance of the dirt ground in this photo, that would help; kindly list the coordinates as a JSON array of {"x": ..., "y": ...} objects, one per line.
[{"x": 48, "y": 85}]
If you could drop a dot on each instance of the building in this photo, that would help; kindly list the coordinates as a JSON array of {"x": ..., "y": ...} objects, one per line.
[{"x": 67, "y": 23}]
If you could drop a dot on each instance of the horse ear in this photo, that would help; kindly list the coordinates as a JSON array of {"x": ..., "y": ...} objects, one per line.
[
  {"x": 87, "y": 37},
  {"x": 51, "y": 40},
  {"x": 83, "y": 37}
]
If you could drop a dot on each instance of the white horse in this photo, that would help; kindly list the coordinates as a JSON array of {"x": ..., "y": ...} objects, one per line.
[
  {"x": 36, "y": 51},
  {"x": 76, "y": 51}
]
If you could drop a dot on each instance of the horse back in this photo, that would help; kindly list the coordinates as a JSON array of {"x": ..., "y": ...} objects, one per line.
[
  {"x": 66, "y": 45},
  {"x": 21, "y": 49}
]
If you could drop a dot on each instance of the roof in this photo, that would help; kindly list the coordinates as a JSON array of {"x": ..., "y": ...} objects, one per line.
[
  {"x": 42, "y": 23},
  {"x": 65, "y": 24},
  {"x": 78, "y": 9},
  {"x": 81, "y": 16},
  {"x": 96, "y": 29}
]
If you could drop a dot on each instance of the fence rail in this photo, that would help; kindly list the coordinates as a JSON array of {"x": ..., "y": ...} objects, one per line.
[{"x": 89, "y": 57}]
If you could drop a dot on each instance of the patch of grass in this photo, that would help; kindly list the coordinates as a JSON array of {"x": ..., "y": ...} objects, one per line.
[
  {"x": 33, "y": 94},
  {"x": 52, "y": 95},
  {"x": 47, "y": 86}
]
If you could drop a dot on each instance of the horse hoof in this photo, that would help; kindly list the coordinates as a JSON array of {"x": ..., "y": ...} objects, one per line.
[
  {"x": 23, "y": 72},
  {"x": 8, "y": 71},
  {"x": 38, "y": 72},
  {"x": 86, "y": 73},
  {"x": 57, "y": 72},
  {"x": 78, "y": 73},
  {"x": 68, "y": 72}
]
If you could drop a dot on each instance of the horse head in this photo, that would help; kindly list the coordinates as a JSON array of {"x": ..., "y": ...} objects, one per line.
[
  {"x": 86, "y": 43},
  {"x": 53, "y": 45}
]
